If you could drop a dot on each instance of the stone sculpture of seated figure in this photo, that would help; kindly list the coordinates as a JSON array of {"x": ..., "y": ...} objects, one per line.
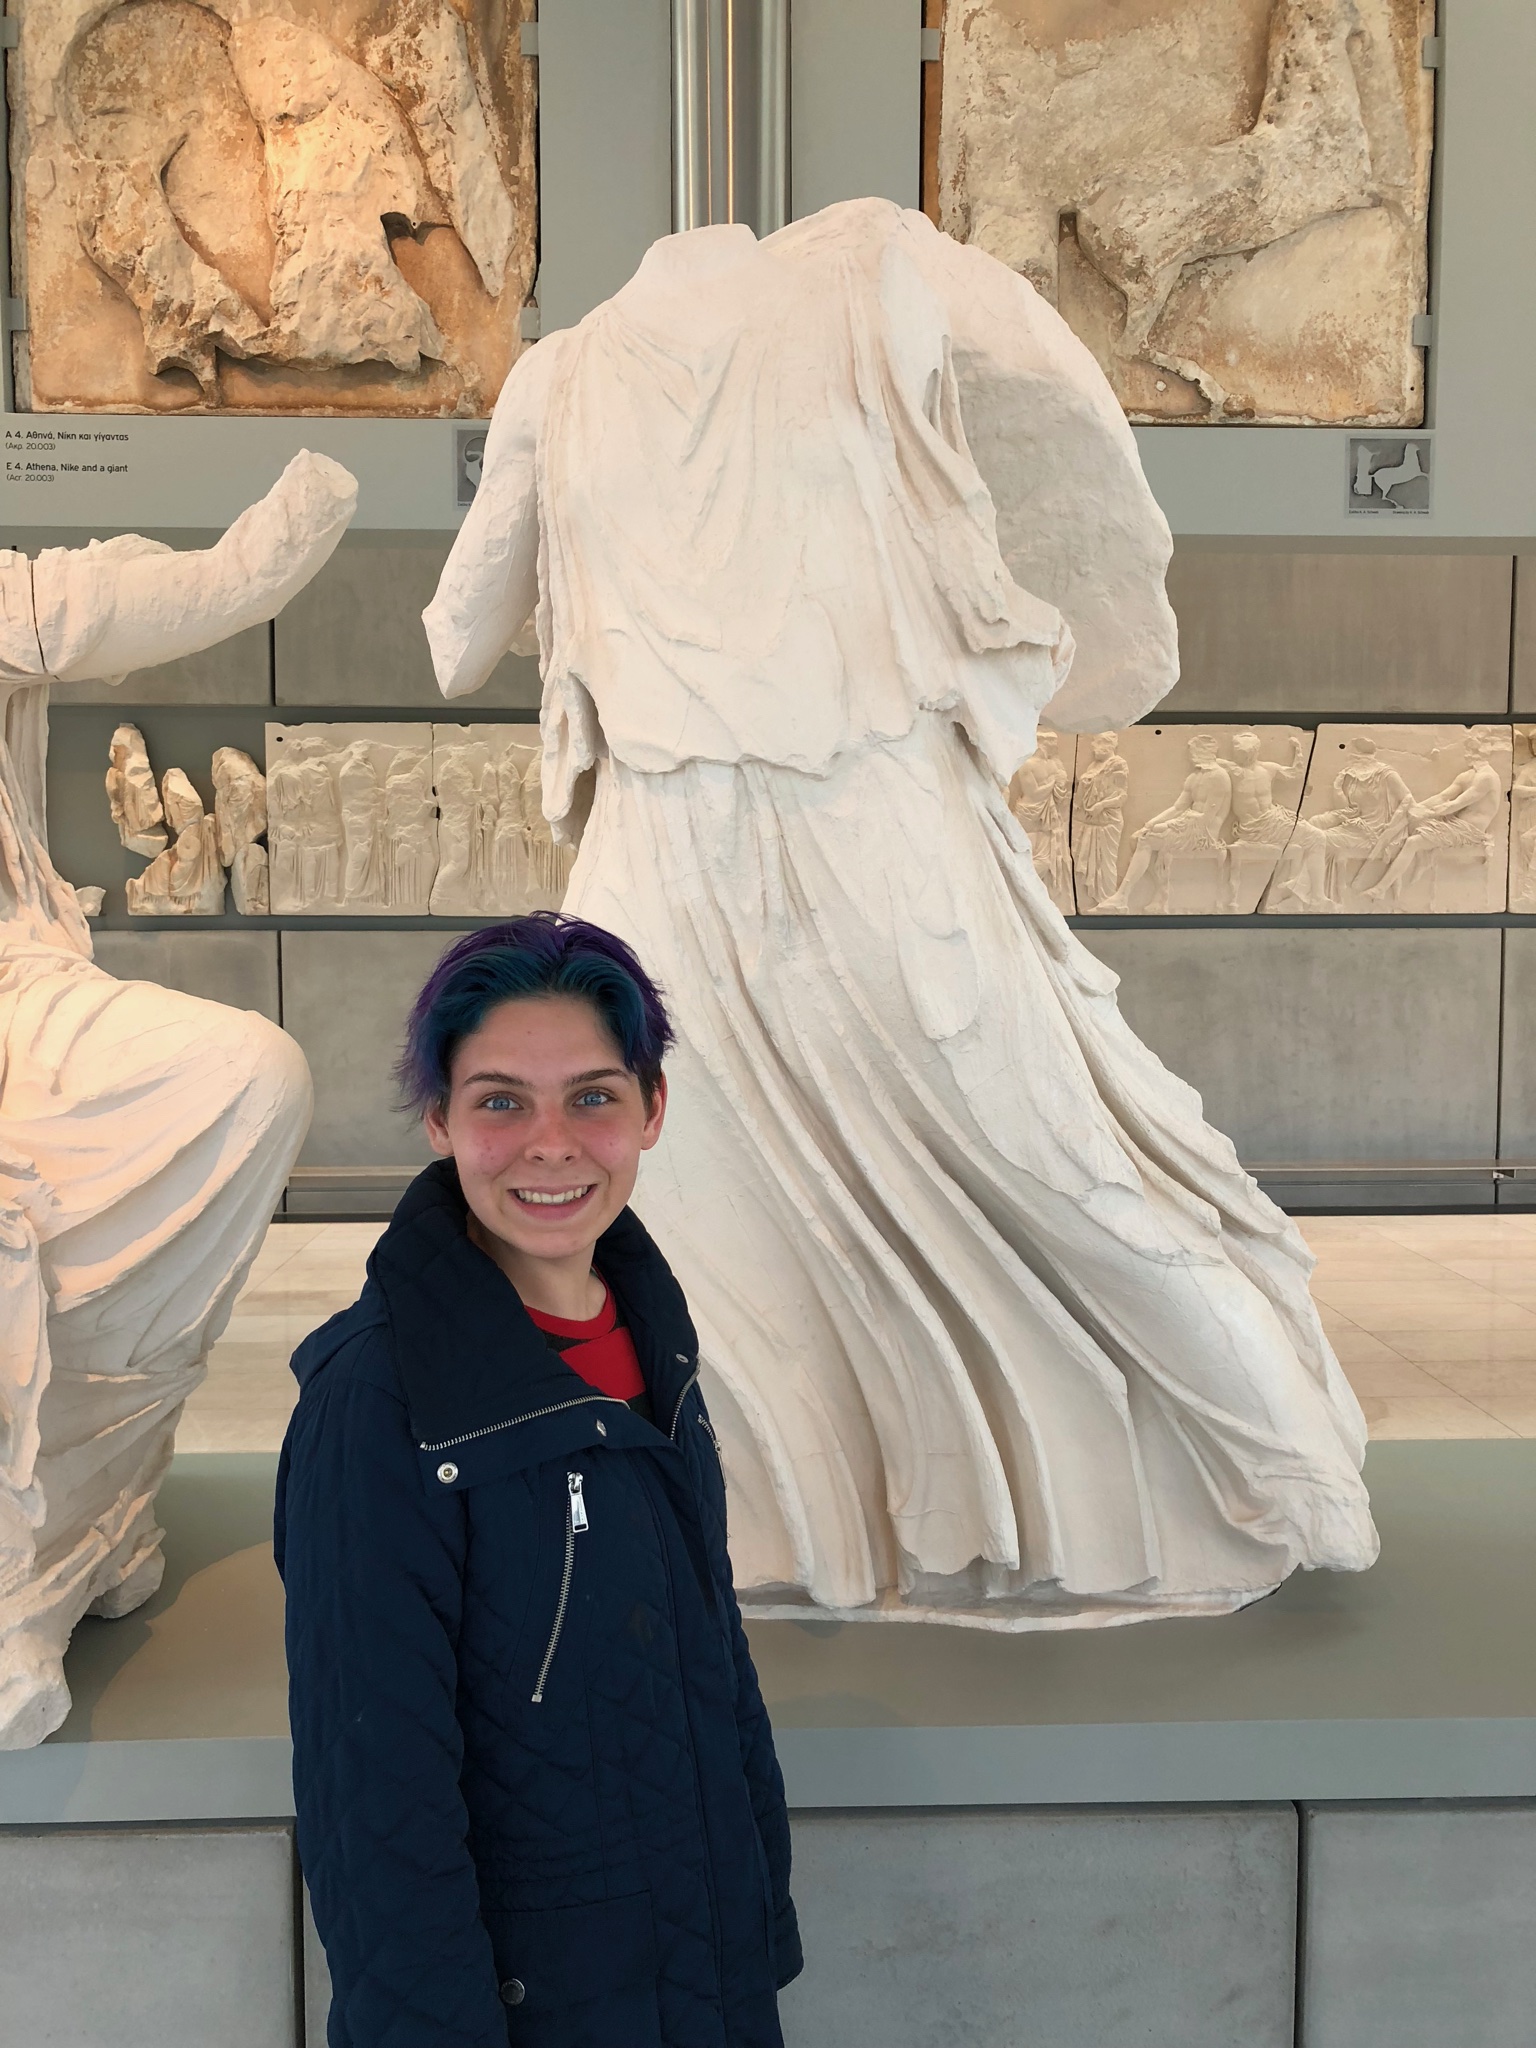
[
  {"x": 1192, "y": 824},
  {"x": 1460, "y": 816}
]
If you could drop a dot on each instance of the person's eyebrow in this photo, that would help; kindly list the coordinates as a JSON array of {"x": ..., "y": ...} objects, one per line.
[{"x": 571, "y": 1081}]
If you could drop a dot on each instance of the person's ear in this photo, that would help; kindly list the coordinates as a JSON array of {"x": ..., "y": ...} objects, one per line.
[
  {"x": 655, "y": 1116},
  {"x": 435, "y": 1125}
]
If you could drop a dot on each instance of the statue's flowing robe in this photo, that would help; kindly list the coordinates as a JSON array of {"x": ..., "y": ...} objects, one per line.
[
  {"x": 994, "y": 1325},
  {"x": 145, "y": 1135}
]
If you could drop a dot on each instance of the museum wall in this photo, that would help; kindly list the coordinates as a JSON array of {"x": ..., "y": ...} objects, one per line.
[{"x": 1373, "y": 1045}]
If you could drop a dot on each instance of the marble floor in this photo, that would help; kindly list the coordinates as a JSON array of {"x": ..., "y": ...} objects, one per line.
[{"x": 1433, "y": 1317}]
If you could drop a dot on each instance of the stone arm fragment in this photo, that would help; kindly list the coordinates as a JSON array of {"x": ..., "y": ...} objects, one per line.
[
  {"x": 116, "y": 606},
  {"x": 490, "y": 583}
]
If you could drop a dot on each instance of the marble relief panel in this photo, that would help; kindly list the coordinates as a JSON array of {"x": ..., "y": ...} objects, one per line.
[
  {"x": 1522, "y": 822},
  {"x": 496, "y": 853},
  {"x": 1400, "y": 818},
  {"x": 1040, "y": 797},
  {"x": 272, "y": 206},
  {"x": 1183, "y": 820},
  {"x": 351, "y": 819},
  {"x": 1227, "y": 202}
]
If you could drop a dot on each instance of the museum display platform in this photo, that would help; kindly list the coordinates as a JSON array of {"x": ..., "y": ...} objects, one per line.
[{"x": 1315, "y": 1820}]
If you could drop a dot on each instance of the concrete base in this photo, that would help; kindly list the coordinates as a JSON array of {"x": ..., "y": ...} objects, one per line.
[{"x": 1314, "y": 1822}]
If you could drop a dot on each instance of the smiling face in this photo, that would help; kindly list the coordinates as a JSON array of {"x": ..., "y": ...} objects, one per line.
[{"x": 546, "y": 1126}]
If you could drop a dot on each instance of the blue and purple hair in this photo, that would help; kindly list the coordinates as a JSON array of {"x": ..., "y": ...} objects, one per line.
[{"x": 539, "y": 954}]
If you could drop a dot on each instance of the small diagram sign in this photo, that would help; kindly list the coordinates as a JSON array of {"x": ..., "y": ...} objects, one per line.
[
  {"x": 1390, "y": 478},
  {"x": 468, "y": 460}
]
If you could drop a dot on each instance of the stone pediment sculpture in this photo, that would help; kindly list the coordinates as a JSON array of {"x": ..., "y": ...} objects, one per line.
[
  {"x": 1229, "y": 203},
  {"x": 145, "y": 1135},
  {"x": 1399, "y": 818},
  {"x": 994, "y": 1328},
  {"x": 263, "y": 206}
]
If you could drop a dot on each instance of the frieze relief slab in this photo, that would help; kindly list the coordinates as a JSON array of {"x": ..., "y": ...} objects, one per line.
[
  {"x": 1400, "y": 818},
  {"x": 272, "y": 206},
  {"x": 1227, "y": 202},
  {"x": 497, "y": 855},
  {"x": 1181, "y": 820},
  {"x": 1522, "y": 822},
  {"x": 351, "y": 820}
]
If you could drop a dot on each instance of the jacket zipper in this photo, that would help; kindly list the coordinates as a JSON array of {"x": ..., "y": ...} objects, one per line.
[
  {"x": 677, "y": 1413},
  {"x": 576, "y": 1524},
  {"x": 451, "y": 1443}
]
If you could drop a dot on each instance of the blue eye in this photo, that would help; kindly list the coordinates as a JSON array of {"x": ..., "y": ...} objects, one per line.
[
  {"x": 497, "y": 1102},
  {"x": 593, "y": 1097}
]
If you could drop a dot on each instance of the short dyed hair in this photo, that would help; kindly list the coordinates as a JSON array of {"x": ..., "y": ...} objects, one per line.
[{"x": 540, "y": 954}]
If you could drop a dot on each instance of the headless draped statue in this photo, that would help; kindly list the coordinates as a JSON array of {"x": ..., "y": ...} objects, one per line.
[
  {"x": 144, "y": 1135},
  {"x": 994, "y": 1327}
]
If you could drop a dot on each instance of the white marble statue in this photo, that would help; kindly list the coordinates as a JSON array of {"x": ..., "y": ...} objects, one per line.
[
  {"x": 187, "y": 880},
  {"x": 994, "y": 1326},
  {"x": 144, "y": 1134},
  {"x": 1040, "y": 797}
]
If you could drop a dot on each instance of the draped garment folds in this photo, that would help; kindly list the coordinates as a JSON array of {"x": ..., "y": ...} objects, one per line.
[
  {"x": 995, "y": 1326},
  {"x": 145, "y": 1135}
]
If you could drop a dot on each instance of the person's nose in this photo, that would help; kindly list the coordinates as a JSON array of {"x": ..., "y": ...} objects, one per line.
[{"x": 550, "y": 1136}]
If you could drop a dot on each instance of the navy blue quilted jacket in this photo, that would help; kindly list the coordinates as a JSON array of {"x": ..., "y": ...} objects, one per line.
[{"x": 537, "y": 1796}]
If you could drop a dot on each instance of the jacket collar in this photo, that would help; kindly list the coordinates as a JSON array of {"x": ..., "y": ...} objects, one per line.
[{"x": 467, "y": 1353}]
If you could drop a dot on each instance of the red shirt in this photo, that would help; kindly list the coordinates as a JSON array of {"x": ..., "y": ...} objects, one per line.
[{"x": 600, "y": 1349}]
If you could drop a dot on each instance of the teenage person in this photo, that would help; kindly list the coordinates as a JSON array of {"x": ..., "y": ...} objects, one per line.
[{"x": 537, "y": 1794}]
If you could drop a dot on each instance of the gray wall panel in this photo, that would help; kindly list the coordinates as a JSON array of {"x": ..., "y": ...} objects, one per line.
[
  {"x": 146, "y": 1938},
  {"x": 346, "y": 996},
  {"x": 1418, "y": 1927},
  {"x": 1517, "y": 1123},
  {"x": 605, "y": 147},
  {"x": 355, "y": 635},
  {"x": 1323, "y": 1045},
  {"x": 238, "y": 968},
  {"x": 1524, "y": 678},
  {"x": 1279, "y": 633},
  {"x": 1025, "y": 1929},
  {"x": 855, "y": 101}
]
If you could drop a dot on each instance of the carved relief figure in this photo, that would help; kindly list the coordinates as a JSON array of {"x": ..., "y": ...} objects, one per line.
[
  {"x": 1228, "y": 204},
  {"x": 1522, "y": 856},
  {"x": 498, "y": 857},
  {"x": 240, "y": 809},
  {"x": 970, "y": 1354},
  {"x": 1040, "y": 797},
  {"x": 187, "y": 880},
  {"x": 1462, "y": 815},
  {"x": 1419, "y": 822},
  {"x": 131, "y": 792},
  {"x": 352, "y": 819},
  {"x": 1257, "y": 820},
  {"x": 227, "y": 205},
  {"x": 1193, "y": 824},
  {"x": 1098, "y": 819},
  {"x": 144, "y": 1134}
]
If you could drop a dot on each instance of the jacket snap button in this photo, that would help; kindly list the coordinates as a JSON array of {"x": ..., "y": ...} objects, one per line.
[
  {"x": 448, "y": 1473},
  {"x": 512, "y": 1992},
  {"x": 681, "y": 1357},
  {"x": 602, "y": 1429}
]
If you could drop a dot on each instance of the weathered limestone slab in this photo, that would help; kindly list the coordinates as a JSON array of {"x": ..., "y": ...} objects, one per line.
[
  {"x": 1228, "y": 203},
  {"x": 1040, "y": 797},
  {"x": 1187, "y": 820},
  {"x": 351, "y": 819},
  {"x": 1522, "y": 822},
  {"x": 251, "y": 205},
  {"x": 1400, "y": 818}
]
